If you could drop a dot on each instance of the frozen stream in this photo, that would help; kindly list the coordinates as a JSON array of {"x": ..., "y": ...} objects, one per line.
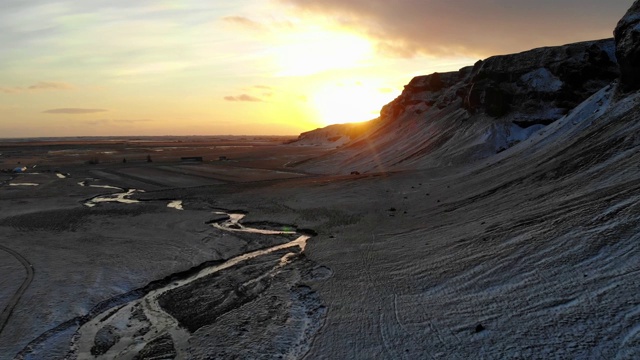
[
  {"x": 122, "y": 196},
  {"x": 144, "y": 321},
  {"x": 172, "y": 317}
]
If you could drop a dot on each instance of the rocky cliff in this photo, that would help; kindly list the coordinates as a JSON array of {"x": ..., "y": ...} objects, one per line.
[
  {"x": 627, "y": 35},
  {"x": 466, "y": 115}
]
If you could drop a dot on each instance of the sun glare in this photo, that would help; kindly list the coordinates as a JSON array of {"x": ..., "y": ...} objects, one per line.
[
  {"x": 319, "y": 50},
  {"x": 354, "y": 102}
]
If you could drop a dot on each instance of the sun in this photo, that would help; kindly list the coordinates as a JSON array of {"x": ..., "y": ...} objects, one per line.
[
  {"x": 354, "y": 102},
  {"x": 328, "y": 63}
]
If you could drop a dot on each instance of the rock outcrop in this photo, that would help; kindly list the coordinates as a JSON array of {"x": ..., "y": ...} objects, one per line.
[
  {"x": 627, "y": 36},
  {"x": 332, "y": 136},
  {"x": 532, "y": 87},
  {"x": 541, "y": 85}
]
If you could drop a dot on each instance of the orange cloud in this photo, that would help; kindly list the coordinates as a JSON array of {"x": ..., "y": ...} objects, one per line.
[
  {"x": 244, "y": 22},
  {"x": 50, "y": 85},
  {"x": 116, "y": 121},
  {"x": 243, "y": 97},
  {"x": 11, "y": 90},
  {"x": 73, "y": 111},
  {"x": 40, "y": 86}
]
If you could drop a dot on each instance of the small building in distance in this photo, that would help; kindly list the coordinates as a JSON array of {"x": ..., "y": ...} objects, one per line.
[{"x": 191, "y": 159}]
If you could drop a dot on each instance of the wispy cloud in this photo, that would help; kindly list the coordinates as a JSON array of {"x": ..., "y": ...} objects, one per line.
[
  {"x": 39, "y": 86},
  {"x": 243, "y": 97},
  {"x": 10, "y": 90},
  {"x": 244, "y": 22},
  {"x": 74, "y": 111},
  {"x": 152, "y": 68},
  {"x": 97, "y": 122},
  {"x": 266, "y": 25},
  {"x": 116, "y": 121},
  {"x": 50, "y": 85},
  {"x": 131, "y": 121}
]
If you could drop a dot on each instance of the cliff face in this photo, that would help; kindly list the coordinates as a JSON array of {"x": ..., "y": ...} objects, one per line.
[
  {"x": 540, "y": 85},
  {"x": 532, "y": 87},
  {"x": 466, "y": 115},
  {"x": 627, "y": 35}
]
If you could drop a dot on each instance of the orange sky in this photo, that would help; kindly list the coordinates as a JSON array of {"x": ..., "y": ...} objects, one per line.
[{"x": 100, "y": 68}]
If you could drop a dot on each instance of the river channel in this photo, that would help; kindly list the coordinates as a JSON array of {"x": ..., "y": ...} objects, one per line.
[{"x": 192, "y": 314}]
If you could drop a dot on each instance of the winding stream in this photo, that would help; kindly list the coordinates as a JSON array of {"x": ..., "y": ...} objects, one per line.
[
  {"x": 143, "y": 321},
  {"x": 157, "y": 320},
  {"x": 123, "y": 196}
]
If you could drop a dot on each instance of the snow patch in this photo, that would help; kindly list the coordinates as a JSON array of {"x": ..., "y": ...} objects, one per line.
[
  {"x": 542, "y": 80},
  {"x": 516, "y": 133},
  {"x": 175, "y": 204}
]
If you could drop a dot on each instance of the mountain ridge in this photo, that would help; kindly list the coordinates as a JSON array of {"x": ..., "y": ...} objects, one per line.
[{"x": 463, "y": 116}]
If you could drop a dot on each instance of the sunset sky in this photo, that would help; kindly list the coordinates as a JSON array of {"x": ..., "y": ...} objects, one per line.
[{"x": 116, "y": 67}]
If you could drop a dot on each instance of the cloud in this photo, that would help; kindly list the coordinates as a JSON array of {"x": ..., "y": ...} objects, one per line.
[
  {"x": 243, "y": 97},
  {"x": 40, "y": 86},
  {"x": 97, "y": 122},
  {"x": 244, "y": 22},
  {"x": 265, "y": 87},
  {"x": 407, "y": 28},
  {"x": 10, "y": 90},
  {"x": 152, "y": 68},
  {"x": 50, "y": 85},
  {"x": 268, "y": 25},
  {"x": 116, "y": 121},
  {"x": 73, "y": 111},
  {"x": 131, "y": 121}
]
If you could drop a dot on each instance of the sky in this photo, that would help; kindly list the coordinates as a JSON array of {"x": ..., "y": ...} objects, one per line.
[{"x": 251, "y": 67}]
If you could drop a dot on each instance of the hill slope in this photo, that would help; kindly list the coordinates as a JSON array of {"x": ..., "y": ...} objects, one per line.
[
  {"x": 459, "y": 117},
  {"x": 529, "y": 253}
]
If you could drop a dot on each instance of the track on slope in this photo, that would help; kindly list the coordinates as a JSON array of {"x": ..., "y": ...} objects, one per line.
[{"x": 6, "y": 313}]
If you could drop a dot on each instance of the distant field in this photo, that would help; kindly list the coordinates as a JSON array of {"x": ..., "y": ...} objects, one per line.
[{"x": 158, "y": 161}]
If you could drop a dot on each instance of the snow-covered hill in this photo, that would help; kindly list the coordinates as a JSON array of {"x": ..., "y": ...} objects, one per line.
[{"x": 471, "y": 114}]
